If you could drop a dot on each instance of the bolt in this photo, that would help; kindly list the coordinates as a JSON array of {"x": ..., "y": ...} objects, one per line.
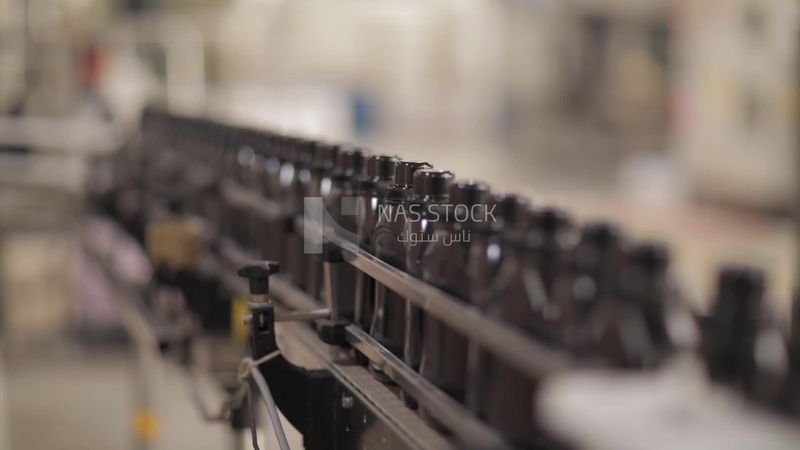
[{"x": 347, "y": 401}]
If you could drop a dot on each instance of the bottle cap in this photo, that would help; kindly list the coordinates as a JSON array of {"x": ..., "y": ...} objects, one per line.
[
  {"x": 404, "y": 171},
  {"x": 432, "y": 184},
  {"x": 739, "y": 289},
  {"x": 651, "y": 257},
  {"x": 549, "y": 220},
  {"x": 287, "y": 147},
  {"x": 598, "y": 240},
  {"x": 381, "y": 167},
  {"x": 351, "y": 162},
  {"x": 508, "y": 211},
  {"x": 324, "y": 155},
  {"x": 600, "y": 234},
  {"x": 469, "y": 192}
]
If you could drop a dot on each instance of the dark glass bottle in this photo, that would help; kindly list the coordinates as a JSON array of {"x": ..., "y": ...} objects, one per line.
[
  {"x": 211, "y": 147},
  {"x": 231, "y": 141},
  {"x": 272, "y": 166},
  {"x": 389, "y": 317},
  {"x": 349, "y": 174},
  {"x": 633, "y": 331},
  {"x": 380, "y": 175},
  {"x": 793, "y": 397},
  {"x": 319, "y": 186},
  {"x": 522, "y": 297},
  {"x": 589, "y": 279},
  {"x": 274, "y": 228},
  {"x": 252, "y": 180},
  {"x": 196, "y": 175},
  {"x": 431, "y": 188},
  {"x": 245, "y": 162},
  {"x": 445, "y": 265},
  {"x": 295, "y": 177},
  {"x": 341, "y": 219},
  {"x": 742, "y": 346},
  {"x": 548, "y": 240},
  {"x": 507, "y": 215}
]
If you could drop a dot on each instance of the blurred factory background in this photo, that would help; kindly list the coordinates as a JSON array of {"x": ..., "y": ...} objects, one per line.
[{"x": 678, "y": 118}]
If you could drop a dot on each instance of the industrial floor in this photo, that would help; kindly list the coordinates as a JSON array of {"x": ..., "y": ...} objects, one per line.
[{"x": 83, "y": 399}]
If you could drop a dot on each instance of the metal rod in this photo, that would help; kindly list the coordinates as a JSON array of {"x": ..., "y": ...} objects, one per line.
[
  {"x": 313, "y": 314},
  {"x": 447, "y": 411},
  {"x": 247, "y": 198},
  {"x": 330, "y": 289},
  {"x": 511, "y": 345},
  {"x": 266, "y": 395}
]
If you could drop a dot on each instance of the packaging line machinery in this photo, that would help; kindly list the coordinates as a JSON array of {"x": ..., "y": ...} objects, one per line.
[{"x": 390, "y": 304}]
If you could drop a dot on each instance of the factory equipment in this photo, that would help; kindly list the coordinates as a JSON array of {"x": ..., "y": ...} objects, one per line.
[{"x": 431, "y": 313}]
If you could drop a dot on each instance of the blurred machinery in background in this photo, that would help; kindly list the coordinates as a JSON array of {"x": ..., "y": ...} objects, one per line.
[
  {"x": 39, "y": 214},
  {"x": 553, "y": 82},
  {"x": 735, "y": 102},
  {"x": 618, "y": 69}
]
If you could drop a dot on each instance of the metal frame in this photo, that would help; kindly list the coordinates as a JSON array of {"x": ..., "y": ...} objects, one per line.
[
  {"x": 510, "y": 344},
  {"x": 454, "y": 416}
]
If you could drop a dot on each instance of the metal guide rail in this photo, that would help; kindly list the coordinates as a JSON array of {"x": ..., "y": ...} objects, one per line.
[
  {"x": 451, "y": 414},
  {"x": 514, "y": 347},
  {"x": 561, "y": 300},
  {"x": 375, "y": 397}
]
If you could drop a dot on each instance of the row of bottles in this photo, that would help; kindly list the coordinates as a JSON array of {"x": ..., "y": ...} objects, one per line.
[{"x": 585, "y": 289}]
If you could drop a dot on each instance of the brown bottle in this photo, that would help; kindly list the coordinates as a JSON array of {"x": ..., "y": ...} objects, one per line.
[
  {"x": 294, "y": 178},
  {"x": 589, "y": 279},
  {"x": 445, "y": 265},
  {"x": 380, "y": 175},
  {"x": 348, "y": 175},
  {"x": 389, "y": 316},
  {"x": 508, "y": 215},
  {"x": 321, "y": 172},
  {"x": 272, "y": 231},
  {"x": 431, "y": 187},
  {"x": 522, "y": 297},
  {"x": 793, "y": 385},
  {"x": 632, "y": 330},
  {"x": 742, "y": 345}
]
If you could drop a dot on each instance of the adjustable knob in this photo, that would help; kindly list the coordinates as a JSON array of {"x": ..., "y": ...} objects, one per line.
[{"x": 258, "y": 273}]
